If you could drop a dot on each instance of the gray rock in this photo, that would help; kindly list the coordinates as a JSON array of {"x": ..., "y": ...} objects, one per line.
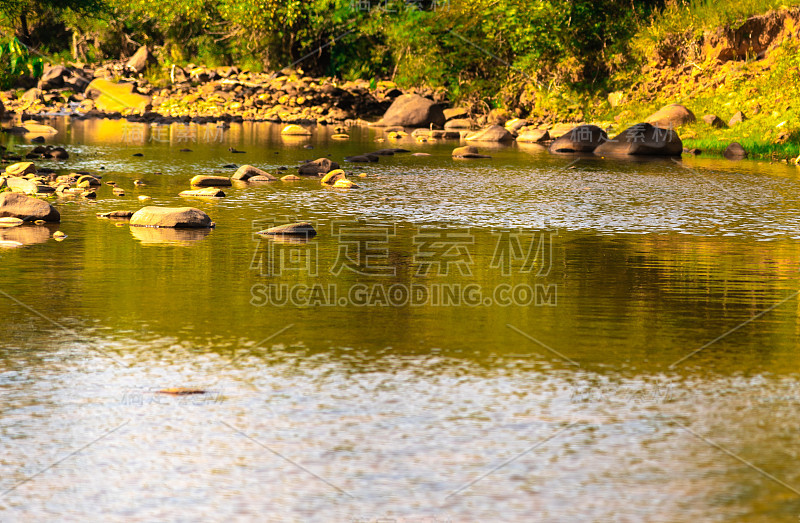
[
  {"x": 179, "y": 217},
  {"x": 493, "y": 133},
  {"x": 413, "y": 110},
  {"x": 245, "y": 172},
  {"x": 139, "y": 61},
  {"x": 26, "y": 208},
  {"x": 317, "y": 167}
]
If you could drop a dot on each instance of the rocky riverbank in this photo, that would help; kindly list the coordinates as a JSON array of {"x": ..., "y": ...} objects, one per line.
[{"x": 200, "y": 94}]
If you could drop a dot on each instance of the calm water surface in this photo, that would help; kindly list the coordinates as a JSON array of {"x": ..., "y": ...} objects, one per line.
[{"x": 531, "y": 337}]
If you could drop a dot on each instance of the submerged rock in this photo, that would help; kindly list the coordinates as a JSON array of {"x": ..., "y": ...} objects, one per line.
[
  {"x": 27, "y": 208},
  {"x": 115, "y": 214},
  {"x": 469, "y": 151},
  {"x": 299, "y": 229},
  {"x": 318, "y": 167},
  {"x": 262, "y": 179},
  {"x": 179, "y": 217},
  {"x": 208, "y": 192},
  {"x": 362, "y": 158}
]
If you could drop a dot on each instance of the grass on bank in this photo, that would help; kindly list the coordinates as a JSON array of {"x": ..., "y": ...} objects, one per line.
[
  {"x": 766, "y": 91},
  {"x": 696, "y": 16}
]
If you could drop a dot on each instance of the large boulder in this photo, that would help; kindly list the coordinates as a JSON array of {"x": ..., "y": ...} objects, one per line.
[
  {"x": 27, "y": 208},
  {"x": 245, "y": 172},
  {"x": 413, "y": 110},
  {"x": 581, "y": 139},
  {"x": 114, "y": 97},
  {"x": 53, "y": 77},
  {"x": 671, "y": 116},
  {"x": 140, "y": 60},
  {"x": 643, "y": 139},
  {"x": 318, "y": 167},
  {"x": 493, "y": 133},
  {"x": 180, "y": 217}
]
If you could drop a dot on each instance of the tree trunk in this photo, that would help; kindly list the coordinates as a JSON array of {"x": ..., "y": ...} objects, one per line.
[{"x": 25, "y": 35}]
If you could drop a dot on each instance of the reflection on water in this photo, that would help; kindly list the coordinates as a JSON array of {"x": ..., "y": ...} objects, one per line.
[
  {"x": 169, "y": 236},
  {"x": 27, "y": 234},
  {"x": 507, "y": 348}
]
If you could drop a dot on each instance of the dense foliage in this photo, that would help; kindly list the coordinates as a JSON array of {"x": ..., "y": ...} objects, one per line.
[{"x": 513, "y": 53}]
